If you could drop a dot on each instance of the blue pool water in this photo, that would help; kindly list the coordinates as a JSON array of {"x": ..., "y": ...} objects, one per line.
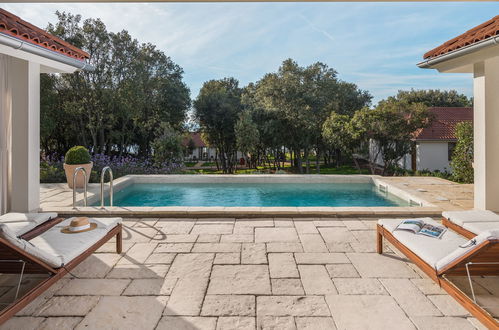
[{"x": 254, "y": 194}]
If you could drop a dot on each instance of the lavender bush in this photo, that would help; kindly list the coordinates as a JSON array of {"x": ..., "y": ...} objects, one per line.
[{"x": 51, "y": 168}]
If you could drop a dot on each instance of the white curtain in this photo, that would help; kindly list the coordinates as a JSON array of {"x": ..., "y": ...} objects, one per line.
[{"x": 5, "y": 132}]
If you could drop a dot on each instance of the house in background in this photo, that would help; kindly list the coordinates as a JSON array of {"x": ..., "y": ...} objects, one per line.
[
  {"x": 434, "y": 145},
  {"x": 200, "y": 150}
]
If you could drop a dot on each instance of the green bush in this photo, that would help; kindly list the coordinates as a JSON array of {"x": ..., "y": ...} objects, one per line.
[
  {"x": 462, "y": 158},
  {"x": 77, "y": 155}
]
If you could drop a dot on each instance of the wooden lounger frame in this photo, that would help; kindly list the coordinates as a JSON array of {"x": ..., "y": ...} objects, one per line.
[
  {"x": 458, "y": 229},
  {"x": 33, "y": 265},
  {"x": 487, "y": 251}
]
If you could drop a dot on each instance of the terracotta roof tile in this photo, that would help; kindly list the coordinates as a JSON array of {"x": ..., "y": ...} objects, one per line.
[
  {"x": 476, "y": 34},
  {"x": 196, "y": 137},
  {"x": 14, "y": 26},
  {"x": 444, "y": 125}
]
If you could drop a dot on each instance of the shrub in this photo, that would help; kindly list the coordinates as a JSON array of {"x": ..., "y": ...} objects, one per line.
[
  {"x": 462, "y": 158},
  {"x": 77, "y": 155}
]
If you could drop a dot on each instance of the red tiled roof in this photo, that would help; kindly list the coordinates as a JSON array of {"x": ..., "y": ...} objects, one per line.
[
  {"x": 476, "y": 34},
  {"x": 14, "y": 26},
  {"x": 196, "y": 137},
  {"x": 444, "y": 124}
]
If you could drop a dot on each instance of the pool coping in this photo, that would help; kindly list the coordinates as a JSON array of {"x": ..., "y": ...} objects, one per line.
[{"x": 425, "y": 209}]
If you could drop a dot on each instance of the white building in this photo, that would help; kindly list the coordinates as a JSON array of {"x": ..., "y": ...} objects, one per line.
[{"x": 25, "y": 52}]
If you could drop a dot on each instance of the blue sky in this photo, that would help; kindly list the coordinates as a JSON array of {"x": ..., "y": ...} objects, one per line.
[{"x": 375, "y": 45}]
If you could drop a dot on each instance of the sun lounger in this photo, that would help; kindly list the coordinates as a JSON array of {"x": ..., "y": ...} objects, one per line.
[
  {"x": 470, "y": 223},
  {"x": 451, "y": 255},
  {"x": 51, "y": 252},
  {"x": 21, "y": 223}
]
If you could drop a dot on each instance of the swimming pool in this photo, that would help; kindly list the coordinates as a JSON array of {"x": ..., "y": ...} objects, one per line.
[{"x": 239, "y": 194}]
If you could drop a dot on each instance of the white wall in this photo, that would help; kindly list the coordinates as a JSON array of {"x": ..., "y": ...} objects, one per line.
[{"x": 432, "y": 156}]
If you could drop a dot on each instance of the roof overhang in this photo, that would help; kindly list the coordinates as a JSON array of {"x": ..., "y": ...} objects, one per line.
[
  {"x": 50, "y": 61},
  {"x": 463, "y": 59}
]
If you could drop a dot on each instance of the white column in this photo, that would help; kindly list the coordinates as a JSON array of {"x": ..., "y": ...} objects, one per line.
[
  {"x": 5, "y": 131},
  {"x": 25, "y": 171},
  {"x": 486, "y": 134}
]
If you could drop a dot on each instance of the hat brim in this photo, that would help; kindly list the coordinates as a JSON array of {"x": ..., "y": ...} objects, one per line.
[{"x": 66, "y": 230}]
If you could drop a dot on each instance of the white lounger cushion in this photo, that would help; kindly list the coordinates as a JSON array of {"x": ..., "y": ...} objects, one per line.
[
  {"x": 56, "y": 248},
  {"x": 479, "y": 227},
  {"x": 462, "y": 217},
  {"x": 21, "y": 223},
  {"x": 460, "y": 251},
  {"x": 430, "y": 249}
]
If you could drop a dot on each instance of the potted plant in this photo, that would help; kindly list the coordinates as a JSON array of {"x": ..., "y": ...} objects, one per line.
[{"x": 77, "y": 156}]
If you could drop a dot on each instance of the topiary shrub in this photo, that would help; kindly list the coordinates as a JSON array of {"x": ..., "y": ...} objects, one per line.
[{"x": 77, "y": 155}]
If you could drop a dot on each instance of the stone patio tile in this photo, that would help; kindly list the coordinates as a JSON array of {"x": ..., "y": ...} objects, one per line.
[
  {"x": 145, "y": 223},
  {"x": 276, "y": 323},
  {"x": 208, "y": 238},
  {"x": 283, "y": 223},
  {"x": 339, "y": 247},
  {"x": 408, "y": 296},
  {"x": 380, "y": 265},
  {"x": 243, "y": 230},
  {"x": 305, "y": 227},
  {"x": 137, "y": 254},
  {"x": 336, "y": 235},
  {"x": 438, "y": 323},
  {"x": 263, "y": 222},
  {"x": 59, "y": 323},
  {"x": 328, "y": 223},
  {"x": 320, "y": 258},
  {"x": 367, "y": 312},
  {"x": 282, "y": 265},
  {"x": 212, "y": 229},
  {"x": 181, "y": 238},
  {"x": 227, "y": 259},
  {"x": 146, "y": 287},
  {"x": 342, "y": 270},
  {"x": 187, "y": 295},
  {"x": 235, "y": 322},
  {"x": 68, "y": 306},
  {"x": 427, "y": 286},
  {"x": 175, "y": 227},
  {"x": 355, "y": 225},
  {"x": 23, "y": 322},
  {"x": 316, "y": 280},
  {"x": 239, "y": 279},
  {"x": 253, "y": 253},
  {"x": 287, "y": 286},
  {"x": 93, "y": 287},
  {"x": 139, "y": 235},
  {"x": 282, "y": 234},
  {"x": 284, "y": 247},
  {"x": 187, "y": 323},
  {"x": 174, "y": 247},
  {"x": 237, "y": 238},
  {"x": 312, "y": 243},
  {"x": 96, "y": 266},
  {"x": 491, "y": 283},
  {"x": 110, "y": 247},
  {"x": 217, "y": 247},
  {"x": 228, "y": 305},
  {"x": 33, "y": 307},
  {"x": 160, "y": 258},
  {"x": 291, "y": 306},
  {"x": 125, "y": 313},
  {"x": 139, "y": 271},
  {"x": 191, "y": 265},
  {"x": 314, "y": 323},
  {"x": 476, "y": 324},
  {"x": 362, "y": 286},
  {"x": 447, "y": 305}
]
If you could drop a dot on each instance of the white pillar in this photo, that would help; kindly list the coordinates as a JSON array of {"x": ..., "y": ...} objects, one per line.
[
  {"x": 486, "y": 134},
  {"x": 25, "y": 171}
]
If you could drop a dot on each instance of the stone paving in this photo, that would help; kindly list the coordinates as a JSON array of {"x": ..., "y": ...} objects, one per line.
[{"x": 248, "y": 274}]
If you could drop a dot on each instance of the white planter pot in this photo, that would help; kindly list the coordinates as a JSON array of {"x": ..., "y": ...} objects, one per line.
[{"x": 70, "y": 169}]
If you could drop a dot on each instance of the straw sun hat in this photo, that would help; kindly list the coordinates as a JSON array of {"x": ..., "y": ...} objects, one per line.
[{"x": 79, "y": 225}]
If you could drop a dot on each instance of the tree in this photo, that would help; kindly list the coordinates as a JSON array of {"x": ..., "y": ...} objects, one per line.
[
  {"x": 167, "y": 145},
  {"x": 462, "y": 158},
  {"x": 117, "y": 108},
  {"x": 388, "y": 130},
  {"x": 434, "y": 98},
  {"x": 247, "y": 136},
  {"x": 337, "y": 132},
  {"x": 217, "y": 108}
]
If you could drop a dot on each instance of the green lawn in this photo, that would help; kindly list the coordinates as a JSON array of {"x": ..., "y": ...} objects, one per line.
[
  {"x": 190, "y": 164},
  {"x": 209, "y": 164},
  {"x": 261, "y": 170}
]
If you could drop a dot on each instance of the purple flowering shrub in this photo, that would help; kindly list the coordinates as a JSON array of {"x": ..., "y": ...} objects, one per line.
[{"x": 52, "y": 171}]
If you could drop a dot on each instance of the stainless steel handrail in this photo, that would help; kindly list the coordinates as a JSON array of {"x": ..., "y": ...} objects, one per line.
[
  {"x": 104, "y": 170},
  {"x": 78, "y": 169}
]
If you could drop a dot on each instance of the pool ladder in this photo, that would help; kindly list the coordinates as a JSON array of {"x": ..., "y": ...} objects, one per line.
[
  {"x": 103, "y": 174},
  {"x": 78, "y": 169}
]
